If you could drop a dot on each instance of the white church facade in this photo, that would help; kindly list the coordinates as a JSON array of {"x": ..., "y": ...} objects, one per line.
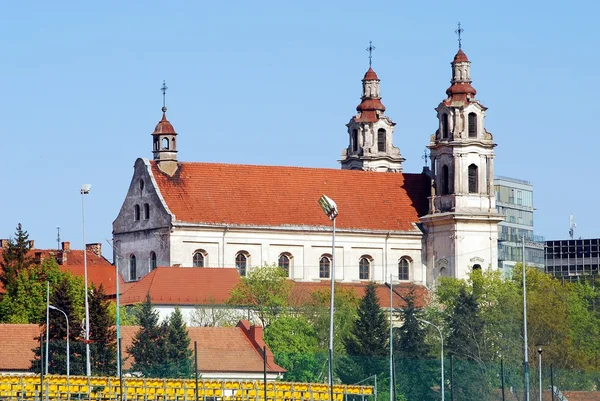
[{"x": 410, "y": 227}]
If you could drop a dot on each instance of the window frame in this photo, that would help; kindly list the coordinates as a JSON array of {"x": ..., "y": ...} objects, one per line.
[
  {"x": 368, "y": 260},
  {"x": 472, "y": 125},
  {"x": 325, "y": 262},
  {"x": 199, "y": 253},
  {"x": 381, "y": 140},
  {"x": 287, "y": 256},
  {"x": 132, "y": 267},
  {"x": 152, "y": 260},
  {"x": 473, "y": 172},
  {"x": 146, "y": 211},
  {"x": 136, "y": 212},
  {"x": 404, "y": 264},
  {"x": 241, "y": 263}
]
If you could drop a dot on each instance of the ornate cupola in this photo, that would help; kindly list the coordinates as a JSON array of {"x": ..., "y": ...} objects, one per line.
[
  {"x": 370, "y": 132},
  {"x": 462, "y": 208},
  {"x": 164, "y": 145}
]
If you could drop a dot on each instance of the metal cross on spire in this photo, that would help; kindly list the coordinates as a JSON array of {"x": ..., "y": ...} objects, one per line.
[
  {"x": 370, "y": 50},
  {"x": 459, "y": 31},
  {"x": 164, "y": 88},
  {"x": 425, "y": 156}
]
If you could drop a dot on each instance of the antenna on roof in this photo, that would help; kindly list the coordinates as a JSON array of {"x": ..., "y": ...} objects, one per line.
[
  {"x": 572, "y": 226},
  {"x": 164, "y": 88},
  {"x": 57, "y": 237},
  {"x": 370, "y": 50}
]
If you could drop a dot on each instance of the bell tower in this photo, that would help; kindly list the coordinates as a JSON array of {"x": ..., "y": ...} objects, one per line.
[
  {"x": 164, "y": 146},
  {"x": 461, "y": 225},
  {"x": 370, "y": 132}
]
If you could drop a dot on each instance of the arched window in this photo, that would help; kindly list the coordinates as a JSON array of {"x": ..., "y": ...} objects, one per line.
[
  {"x": 324, "y": 266},
  {"x": 472, "y": 125},
  {"x": 199, "y": 259},
  {"x": 152, "y": 260},
  {"x": 445, "y": 184},
  {"x": 381, "y": 140},
  {"x": 354, "y": 140},
  {"x": 444, "y": 126},
  {"x": 284, "y": 263},
  {"x": 136, "y": 212},
  {"x": 477, "y": 267},
  {"x": 165, "y": 143},
  {"x": 241, "y": 261},
  {"x": 472, "y": 179},
  {"x": 141, "y": 184},
  {"x": 403, "y": 268},
  {"x": 132, "y": 268},
  {"x": 364, "y": 268},
  {"x": 146, "y": 211}
]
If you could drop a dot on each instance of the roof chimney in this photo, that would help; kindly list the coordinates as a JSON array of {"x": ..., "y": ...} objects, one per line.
[
  {"x": 4, "y": 243},
  {"x": 94, "y": 248},
  {"x": 38, "y": 257},
  {"x": 31, "y": 244},
  {"x": 66, "y": 246}
]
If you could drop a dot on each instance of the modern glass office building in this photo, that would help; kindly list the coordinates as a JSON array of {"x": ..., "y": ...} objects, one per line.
[{"x": 514, "y": 200}]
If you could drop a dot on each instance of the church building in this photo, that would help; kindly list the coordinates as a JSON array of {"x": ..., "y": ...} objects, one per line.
[{"x": 405, "y": 227}]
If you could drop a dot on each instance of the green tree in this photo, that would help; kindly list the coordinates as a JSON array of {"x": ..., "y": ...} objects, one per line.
[
  {"x": 265, "y": 289},
  {"x": 178, "y": 356},
  {"x": 26, "y": 301},
  {"x": 416, "y": 371},
  {"x": 148, "y": 345},
  {"x": 370, "y": 335},
  {"x": 102, "y": 332},
  {"x": 367, "y": 343},
  {"x": 15, "y": 259},
  {"x": 293, "y": 341},
  {"x": 66, "y": 296}
]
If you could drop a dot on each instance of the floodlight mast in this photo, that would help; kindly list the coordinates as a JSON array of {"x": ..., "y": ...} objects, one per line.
[
  {"x": 330, "y": 209},
  {"x": 85, "y": 189}
]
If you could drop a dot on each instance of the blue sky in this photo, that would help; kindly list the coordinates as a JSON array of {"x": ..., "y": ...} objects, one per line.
[{"x": 275, "y": 83}]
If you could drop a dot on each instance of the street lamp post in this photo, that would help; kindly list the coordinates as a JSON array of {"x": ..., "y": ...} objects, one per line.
[
  {"x": 391, "y": 341},
  {"x": 441, "y": 354},
  {"x": 68, "y": 351},
  {"x": 331, "y": 210},
  {"x": 540, "y": 370},
  {"x": 85, "y": 189},
  {"x": 525, "y": 347}
]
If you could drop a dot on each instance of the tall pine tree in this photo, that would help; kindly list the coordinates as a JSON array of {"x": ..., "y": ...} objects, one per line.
[
  {"x": 178, "y": 355},
  {"x": 416, "y": 372},
  {"x": 15, "y": 259},
  {"x": 366, "y": 346},
  {"x": 102, "y": 332},
  {"x": 148, "y": 346}
]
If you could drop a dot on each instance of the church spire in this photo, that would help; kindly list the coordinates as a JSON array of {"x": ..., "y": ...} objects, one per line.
[
  {"x": 164, "y": 146},
  {"x": 370, "y": 131}
]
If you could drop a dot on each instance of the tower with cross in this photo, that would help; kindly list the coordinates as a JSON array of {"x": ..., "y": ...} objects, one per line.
[
  {"x": 462, "y": 207},
  {"x": 164, "y": 140},
  {"x": 370, "y": 131}
]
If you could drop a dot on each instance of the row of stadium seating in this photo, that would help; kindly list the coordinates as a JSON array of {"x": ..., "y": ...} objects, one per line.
[{"x": 109, "y": 388}]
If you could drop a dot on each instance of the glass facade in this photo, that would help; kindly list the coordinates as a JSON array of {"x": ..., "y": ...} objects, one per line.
[
  {"x": 572, "y": 259},
  {"x": 514, "y": 201}
]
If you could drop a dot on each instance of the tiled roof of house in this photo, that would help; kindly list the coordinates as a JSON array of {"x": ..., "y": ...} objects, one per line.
[
  {"x": 277, "y": 196},
  {"x": 301, "y": 292},
  {"x": 183, "y": 286},
  {"x": 100, "y": 270},
  {"x": 16, "y": 344},
  {"x": 220, "y": 349}
]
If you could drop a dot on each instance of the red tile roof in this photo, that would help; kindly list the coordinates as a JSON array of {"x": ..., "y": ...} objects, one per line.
[
  {"x": 100, "y": 270},
  {"x": 16, "y": 344},
  {"x": 234, "y": 194},
  {"x": 302, "y": 290},
  {"x": 370, "y": 75},
  {"x": 460, "y": 57},
  {"x": 164, "y": 126},
  {"x": 220, "y": 349},
  {"x": 183, "y": 286}
]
